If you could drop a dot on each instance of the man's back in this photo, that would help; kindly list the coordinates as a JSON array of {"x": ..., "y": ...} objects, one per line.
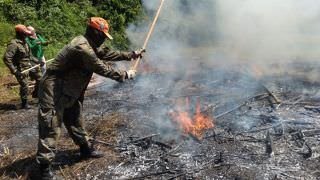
[
  {"x": 17, "y": 54},
  {"x": 69, "y": 65}
]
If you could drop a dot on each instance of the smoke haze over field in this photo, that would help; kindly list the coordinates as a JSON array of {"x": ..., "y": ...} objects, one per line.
[
  {"x": 270, "y": 29},
  {"x": 228, "y": 46},
  {"x": 257, "y": 30}
]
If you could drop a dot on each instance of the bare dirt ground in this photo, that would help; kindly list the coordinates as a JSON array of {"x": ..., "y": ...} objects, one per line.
[{"x": 253, "y": 137}]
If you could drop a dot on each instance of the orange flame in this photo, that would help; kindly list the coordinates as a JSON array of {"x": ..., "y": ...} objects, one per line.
[
  {"x": 194, "y": 125},
  {"x": 256, "y": 71}
]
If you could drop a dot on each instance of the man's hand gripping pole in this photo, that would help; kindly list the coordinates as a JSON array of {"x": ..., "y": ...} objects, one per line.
[{"x": 134, "y": 67}]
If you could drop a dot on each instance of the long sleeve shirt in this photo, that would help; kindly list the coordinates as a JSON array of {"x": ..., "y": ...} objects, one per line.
[
  {"x": 35, "y": 45},
  {"x": 17, "y": 56},
  {"x": 78, "y": 60}
]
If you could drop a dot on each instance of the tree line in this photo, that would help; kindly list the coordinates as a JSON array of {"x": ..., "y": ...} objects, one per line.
[{"x": 61, "y": 20}]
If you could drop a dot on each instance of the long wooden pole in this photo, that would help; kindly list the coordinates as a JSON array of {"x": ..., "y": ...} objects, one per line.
[
  {"x": 33, "y": 67},
  {"x": 134, "y": 67}
]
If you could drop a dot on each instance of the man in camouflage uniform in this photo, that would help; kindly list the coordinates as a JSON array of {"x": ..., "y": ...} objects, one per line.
[
  {"x": 63, "y": 86},
  {"x": 17, "y": 58}
]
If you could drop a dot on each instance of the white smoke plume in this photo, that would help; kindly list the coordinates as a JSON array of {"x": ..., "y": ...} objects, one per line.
[
  {"x": 241, "y": 35},
  {"x": 270, "y": 29},
  {"x": 241, "y": 30}
]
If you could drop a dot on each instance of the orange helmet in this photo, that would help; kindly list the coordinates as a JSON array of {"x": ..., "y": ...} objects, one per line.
[
  {"x": 22, "y": 28},
  {"x": 100, "y": 24}
]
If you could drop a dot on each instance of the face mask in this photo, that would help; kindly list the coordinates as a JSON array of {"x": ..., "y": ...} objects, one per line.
[{"x": 100, "y": 38}]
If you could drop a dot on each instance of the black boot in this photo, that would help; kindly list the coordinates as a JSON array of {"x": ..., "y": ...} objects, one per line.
[
  {"x": 24, "y": 104},
  {"x": 87, "y": 152},
  {"x": 46, "y": 172}
]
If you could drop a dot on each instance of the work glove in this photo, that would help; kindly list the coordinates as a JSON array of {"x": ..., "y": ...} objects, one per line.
[
  {"x": 137, "y": 54},
  {"x": 130, "y": 74}
]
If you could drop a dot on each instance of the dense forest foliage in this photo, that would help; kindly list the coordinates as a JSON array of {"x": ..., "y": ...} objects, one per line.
[{"x": 61, "y": 20}]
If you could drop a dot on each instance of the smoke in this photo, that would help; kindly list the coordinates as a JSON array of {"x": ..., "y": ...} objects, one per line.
[
  {"x": 246, "y": 30},
  {"x": 182, "y": 25},
  {"x": 267, "y": 30},
  {"x": 205, "y": 34}
]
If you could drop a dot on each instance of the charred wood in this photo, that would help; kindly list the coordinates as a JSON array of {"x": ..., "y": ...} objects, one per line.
[
  {"x": 278, "y": 129},
  {"x": 194, "y": 138},
  {"x": 269, "y": 144},
  {"x": 298, "y": 137},
  {"x": 172, "y": 150},
  {"x": 219, "y": 159},
  {"x": 142, "y": 138},
  {"x": 307, "y": 153},
  {"x": 309, "y": 133},
  {"x": 151, "y": 174},
  {"x": 161, "y": 144},
  {"x": 239, "y": 106},
  {"x": 177, "y": 176},
  {"x": 312, "y": 108}
]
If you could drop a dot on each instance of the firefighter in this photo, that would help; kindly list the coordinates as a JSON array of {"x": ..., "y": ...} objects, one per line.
[
  {"x": 36, "y": 42},
  {"x": 63, "y": 86},
  {"x": 18, "y": 58}
]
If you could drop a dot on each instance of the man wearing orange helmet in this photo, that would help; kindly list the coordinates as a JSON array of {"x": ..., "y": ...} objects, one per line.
[
  {"x": 63, "y": 86},
  {"x": 17, "y": 58}
]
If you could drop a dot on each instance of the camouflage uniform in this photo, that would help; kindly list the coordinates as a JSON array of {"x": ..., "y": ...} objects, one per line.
[
  {"x": 17, "y": 58},
  {"x": 62, "y": 91}
]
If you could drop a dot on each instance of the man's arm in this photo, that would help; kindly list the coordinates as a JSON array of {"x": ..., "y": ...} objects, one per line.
[
  {"x": 92, "y": 63},
  {"x": 105, "y": 54},
  {"x": 43, "y": 41},
  {"x": 8, "y": 57},
  {"x": 30, "y": 43}
]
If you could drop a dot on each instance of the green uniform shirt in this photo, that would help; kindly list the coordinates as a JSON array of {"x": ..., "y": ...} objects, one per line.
[
  {"x": 77, "y": 61},
  {"x": 36, "y": 48}
]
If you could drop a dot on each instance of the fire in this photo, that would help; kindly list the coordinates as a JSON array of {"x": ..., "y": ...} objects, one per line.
[
  {"x": 195, "y": 124},
  {"x": 256, "y": 71}
]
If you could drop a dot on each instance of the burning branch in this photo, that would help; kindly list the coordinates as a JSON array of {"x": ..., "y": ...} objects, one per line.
[{"x": 195, "y": 125}]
